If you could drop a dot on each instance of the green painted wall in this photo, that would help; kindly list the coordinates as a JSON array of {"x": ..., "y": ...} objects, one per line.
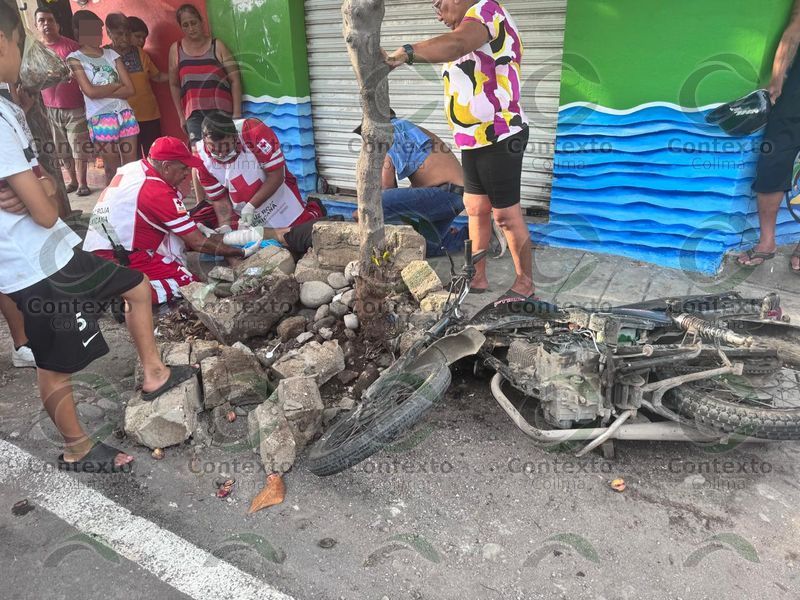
[
  {"x": 268, "y": 39},
  {"x": 689, "y": 52}
]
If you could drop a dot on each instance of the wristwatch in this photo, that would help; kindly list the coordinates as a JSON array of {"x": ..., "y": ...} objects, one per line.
[{"x": 409, "y": 52}]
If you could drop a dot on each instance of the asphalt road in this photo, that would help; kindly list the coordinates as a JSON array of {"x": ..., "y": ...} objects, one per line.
[{"x": 464, "y": 507}]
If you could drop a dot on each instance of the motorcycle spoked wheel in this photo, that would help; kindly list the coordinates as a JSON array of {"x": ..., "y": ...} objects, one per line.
[
  {"x": 763, "y": 406},
  {"x": 398, "y": 402}
]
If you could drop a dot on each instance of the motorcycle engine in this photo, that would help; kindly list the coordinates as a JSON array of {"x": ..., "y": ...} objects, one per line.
[{"x": 565, "y": 370}]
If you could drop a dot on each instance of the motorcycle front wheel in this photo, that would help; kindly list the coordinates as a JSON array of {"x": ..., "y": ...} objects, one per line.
[{"x": 397, "y": 401}]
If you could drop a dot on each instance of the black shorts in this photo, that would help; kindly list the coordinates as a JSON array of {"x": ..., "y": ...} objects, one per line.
[
  {"x": 61, "y": 311},
  {"x": 496, "y": 170},
  {"x": 149, "y": 132},
  {"x": 780, "y": 146}
]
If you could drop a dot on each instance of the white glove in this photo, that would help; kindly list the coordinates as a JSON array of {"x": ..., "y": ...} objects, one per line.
[
  {"x": 206, "y": 231},
  {"x": 243, "y": 237},
  {"x": 222, "y": 230},
  {"x": 251, "y": 249},
  {"x": 248, "y": 215}
]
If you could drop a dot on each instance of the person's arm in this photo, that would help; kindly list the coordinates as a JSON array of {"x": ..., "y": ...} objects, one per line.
[
  {"x": 175, "y": 84},
  {"x": 10, "y": 202},
  {"x": 127, "y": 90},
  {"x": 94, "y": 92},
  {"x": 211, "y": 245},
  {"x": 235, "y": 78},
  {"x": 466, "y": 38},
  {"x": 388, "y": 175},
  {"x": 151, "y": 69},
  {"x": 42, "y": 208},
  {"x": 224, "y": 210},
  {"x": 787, "y": 51}
]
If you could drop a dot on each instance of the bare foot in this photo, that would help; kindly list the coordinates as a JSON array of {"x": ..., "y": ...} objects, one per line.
[
  {"x": 795, "y": 261},
  {"x": 479, "y": 284}
]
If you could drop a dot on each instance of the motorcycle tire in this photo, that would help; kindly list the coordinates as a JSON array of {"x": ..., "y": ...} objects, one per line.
[
  {"x": 397, "y": 402},
  {"x": 737, "y": 404}
]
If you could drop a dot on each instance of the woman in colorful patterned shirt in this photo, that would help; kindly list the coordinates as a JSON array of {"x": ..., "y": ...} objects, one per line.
[{"x": 482, "y": 82}]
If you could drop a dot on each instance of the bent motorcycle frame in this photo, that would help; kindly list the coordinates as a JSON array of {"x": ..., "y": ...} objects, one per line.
[{"x": 470, "y": 340}]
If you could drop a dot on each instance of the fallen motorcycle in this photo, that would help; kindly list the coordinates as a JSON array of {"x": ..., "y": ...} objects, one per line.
[{"x": 713, "y": 369}]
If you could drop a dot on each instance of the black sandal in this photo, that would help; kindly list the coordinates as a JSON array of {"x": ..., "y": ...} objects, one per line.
[
  {"x": 177, "y": 375},
  {"x": 752, "y": 255},
  {"x": 100, "y": 459},
  {"x": 84, "y": 191}
]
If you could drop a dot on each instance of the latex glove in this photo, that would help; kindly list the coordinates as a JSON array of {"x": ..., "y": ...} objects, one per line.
[
  {"x": 251, "y": 249},
  {"x": 243, "y": 237},
  {"x": 223, "y": 229},
  {"x": 248, "y": 216},
  {"x": 206, "y": 231}
]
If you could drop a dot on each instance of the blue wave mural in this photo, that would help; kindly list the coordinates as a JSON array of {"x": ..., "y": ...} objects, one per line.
[
  {"x": 292, "y": 124},
  {"x": 656, "y": 184}
]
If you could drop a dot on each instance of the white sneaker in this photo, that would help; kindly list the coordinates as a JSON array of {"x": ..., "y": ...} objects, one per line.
[{"x": 23, "y": 357}]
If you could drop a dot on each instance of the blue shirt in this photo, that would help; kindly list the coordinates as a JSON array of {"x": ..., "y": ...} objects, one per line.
[{"x": 410, "y": 149}]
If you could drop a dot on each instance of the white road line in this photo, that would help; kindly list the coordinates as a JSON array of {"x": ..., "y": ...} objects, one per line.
[{"x": 175, "y": 561}]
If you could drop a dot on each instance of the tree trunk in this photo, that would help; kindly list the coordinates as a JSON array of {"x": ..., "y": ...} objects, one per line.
[
  {"x": 362, "y": 31},
  {"x": 43, "y": 136}
]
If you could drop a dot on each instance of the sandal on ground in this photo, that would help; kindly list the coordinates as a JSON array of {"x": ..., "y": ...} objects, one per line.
[
  {"x": 512, "y": 296},
  {"x": 84, "y": 191},
  {"x": 795, "y": 254},
  {"x": 177, "y": 375},
  {"x": 72, "y": 187},
  {"x": 100, "y": 459},
  {"x": 752, "y": 255}
]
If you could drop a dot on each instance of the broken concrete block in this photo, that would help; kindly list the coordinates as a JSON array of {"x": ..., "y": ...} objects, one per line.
[
  {"x": 223, "y": 290},
  {"x": 434, "y": 302},
  {"x": 302, "y": 406},
  {"x": 338, "y": 280},
  {"x": 337, "y": 244},
  {"x": 234, "y": 376},
  {"x": 168, "y": 420},
  {"x": 241, "y": 318},
  {"x": 420, "y": 279},
  {"x": 314, "y": 294},
  {"x": 321, "y": 361},
  {"x": 176, "y": 354},
  {"x": 265, "y": 262},
  {"x": 221, "y": 273},
  {"x": 308, "y": 269},
  {"x": 199, "y": 295},
  {"x": 291, "y": 327},
  {"x": 304, "y": 337},
  {"x": 203, "y": 349},
  {"x": 199, "y": 267},
  {"x": 271, "y": 437}
]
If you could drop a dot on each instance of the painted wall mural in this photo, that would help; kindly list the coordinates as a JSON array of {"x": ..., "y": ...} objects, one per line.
[
  {"x": 638, "y": 171},
  {"x": 269, "y": 41}
]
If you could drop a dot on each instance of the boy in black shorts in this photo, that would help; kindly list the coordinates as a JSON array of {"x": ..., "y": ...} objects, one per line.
[{"x": 60, "y": 290}]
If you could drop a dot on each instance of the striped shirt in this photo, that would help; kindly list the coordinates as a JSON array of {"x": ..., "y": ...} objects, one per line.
[{"x": 204, "y": 82}]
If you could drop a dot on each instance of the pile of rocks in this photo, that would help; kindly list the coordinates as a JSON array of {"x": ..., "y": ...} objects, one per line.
[{"x": 299, "y": 321}]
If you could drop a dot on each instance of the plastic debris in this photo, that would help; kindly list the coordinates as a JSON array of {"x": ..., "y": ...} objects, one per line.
[
  {"x": 225, "y": 490},
  {"x": 618, "y": 485},
  {"x": 274, "y": 492}
]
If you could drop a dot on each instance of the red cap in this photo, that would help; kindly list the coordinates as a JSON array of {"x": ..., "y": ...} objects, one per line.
[{"x": 170, "y": 148}]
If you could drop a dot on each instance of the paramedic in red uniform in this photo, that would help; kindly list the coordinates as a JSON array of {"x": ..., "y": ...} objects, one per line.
[
  {"x": 244, "y": 175},
  {"x": 140, "y": 218}
]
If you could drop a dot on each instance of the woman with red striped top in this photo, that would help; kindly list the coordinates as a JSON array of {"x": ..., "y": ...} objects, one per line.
[{"x": 203, "y": 76}]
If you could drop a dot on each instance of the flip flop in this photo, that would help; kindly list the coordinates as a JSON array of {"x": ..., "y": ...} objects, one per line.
[
  {"x": 751, "y": 255},
  {"x": 512, "y": 296},
  {"x": 177, "y": 375},
  {"x": 478, "y": 290},
  {"x": 84, "y": 191},
  {"x": 100, "y": 459},
  {"x": 71, "y": 187}
]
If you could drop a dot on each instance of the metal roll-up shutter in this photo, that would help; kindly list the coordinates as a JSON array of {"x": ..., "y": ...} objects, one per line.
[{"x": 416, "y": 93}]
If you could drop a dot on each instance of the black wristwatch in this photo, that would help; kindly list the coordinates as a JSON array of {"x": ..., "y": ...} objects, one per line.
[{"x": 409, "y": 52}]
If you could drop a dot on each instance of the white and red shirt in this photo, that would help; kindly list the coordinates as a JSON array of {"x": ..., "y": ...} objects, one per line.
[
  {"x": 259, "y": 153},
  {"x": 142, "y": 212}
]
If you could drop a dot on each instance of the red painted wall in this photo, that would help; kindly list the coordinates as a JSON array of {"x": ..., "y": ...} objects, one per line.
[{"x": 160, "y": 18}]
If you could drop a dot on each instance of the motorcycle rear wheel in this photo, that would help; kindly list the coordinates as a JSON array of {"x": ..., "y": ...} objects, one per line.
[
  {"x": 764, "y": 406},
  {"x": 397, "y": 402}
]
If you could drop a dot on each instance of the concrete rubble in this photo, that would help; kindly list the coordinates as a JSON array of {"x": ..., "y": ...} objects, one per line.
[{"x": 282, "y": 331}]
